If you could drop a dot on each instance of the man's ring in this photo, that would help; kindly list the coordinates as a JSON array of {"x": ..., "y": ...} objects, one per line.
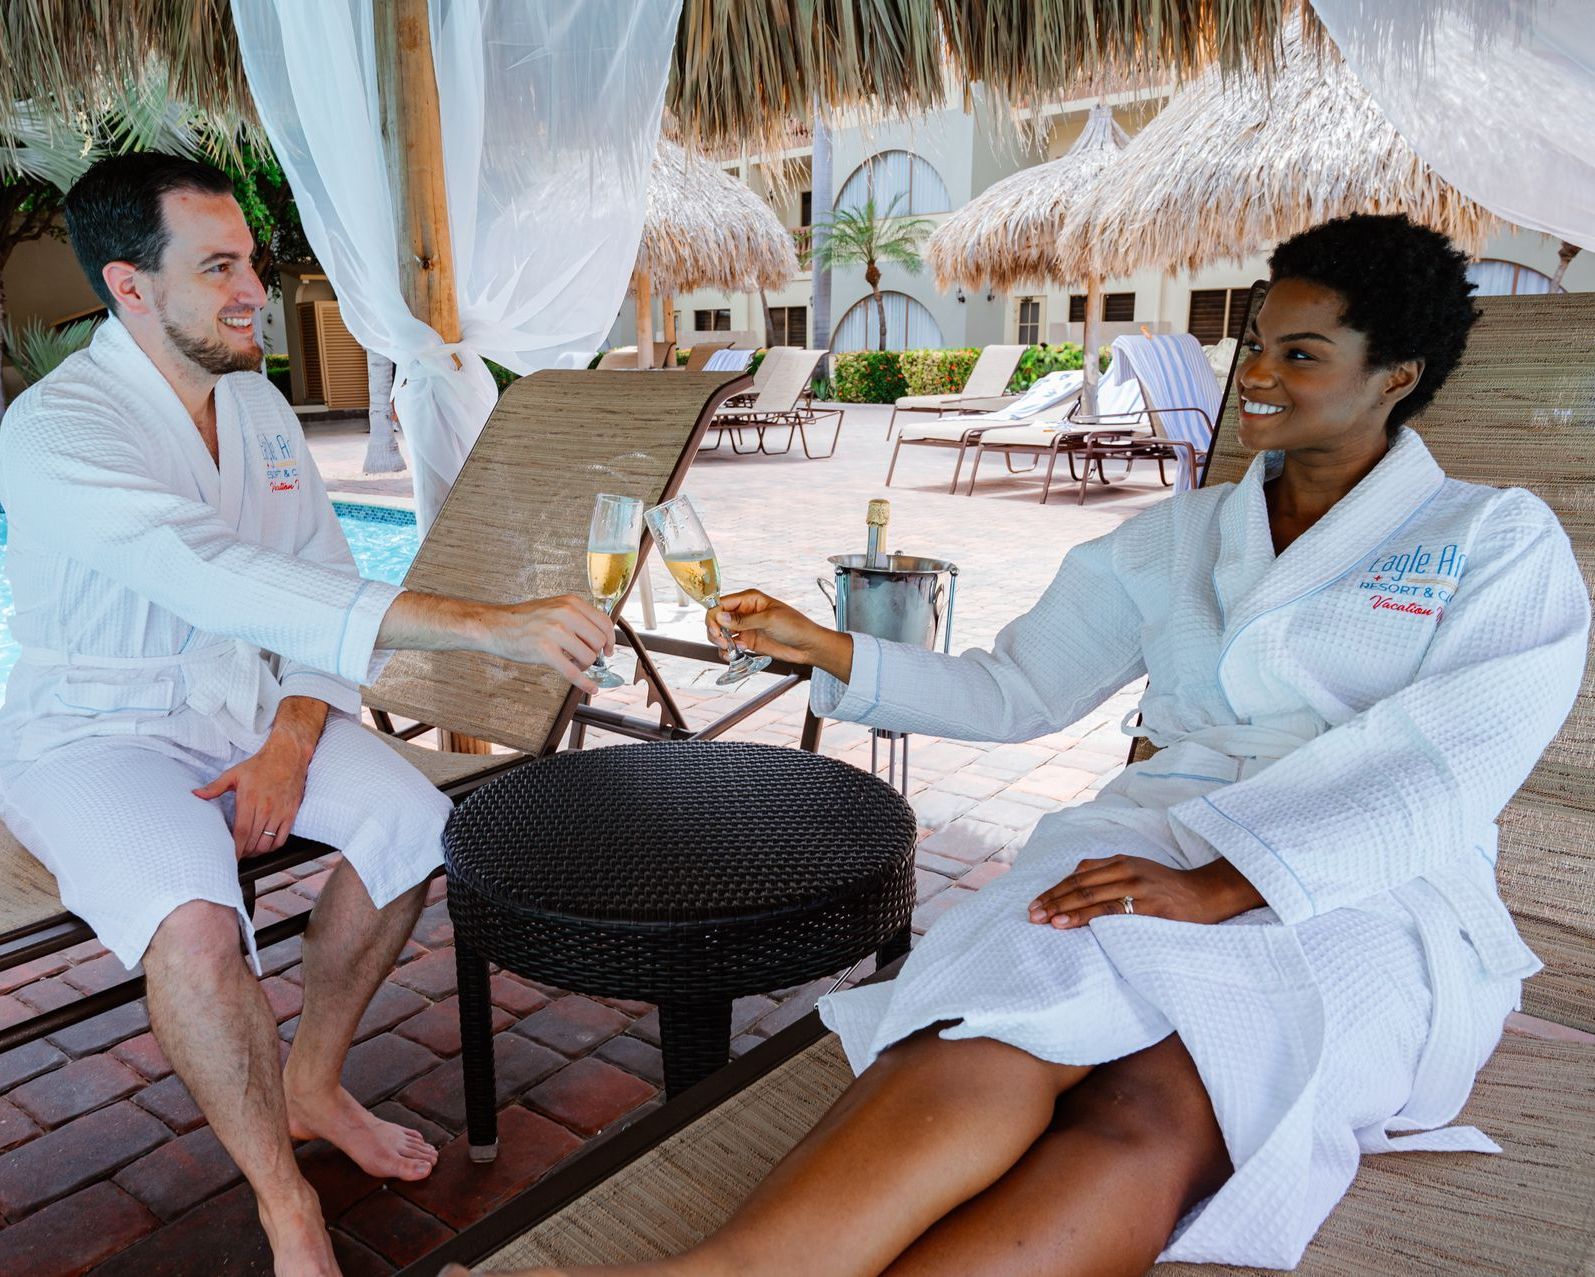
[
  {"x": 1128, "y": 902},
  {"x": 268, "y": 833}
]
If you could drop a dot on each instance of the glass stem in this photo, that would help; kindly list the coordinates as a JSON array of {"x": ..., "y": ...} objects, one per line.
[{"x": 736, "y": 651}]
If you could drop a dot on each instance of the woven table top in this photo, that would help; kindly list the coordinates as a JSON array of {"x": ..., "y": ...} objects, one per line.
[{"x": 656, "y": 835}]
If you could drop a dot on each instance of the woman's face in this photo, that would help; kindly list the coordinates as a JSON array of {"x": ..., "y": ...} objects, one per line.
[{"x": 1304, "y": 381}]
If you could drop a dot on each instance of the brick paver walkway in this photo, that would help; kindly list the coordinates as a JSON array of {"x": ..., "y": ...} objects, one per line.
[{"x": 107, "y": 1164}]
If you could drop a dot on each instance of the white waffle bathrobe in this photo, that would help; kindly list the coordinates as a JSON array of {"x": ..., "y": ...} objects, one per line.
[
  {"x": 165, "y": 604},
  {"x": 1343, "y": 723}
]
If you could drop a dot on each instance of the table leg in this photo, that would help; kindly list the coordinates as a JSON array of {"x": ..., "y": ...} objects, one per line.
[
  {"x": 894, "y": 948},
  {"x": 476, "y": 1042},
  {"x": 696, "y": 1040}
]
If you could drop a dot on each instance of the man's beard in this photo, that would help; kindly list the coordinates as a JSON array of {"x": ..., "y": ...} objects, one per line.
[{"x": 211, "y": 353}]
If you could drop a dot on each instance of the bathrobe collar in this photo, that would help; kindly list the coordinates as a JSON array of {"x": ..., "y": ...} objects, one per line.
[
  {"x": 1251, "y": 580},
  {"x": 160, "y": 413}
]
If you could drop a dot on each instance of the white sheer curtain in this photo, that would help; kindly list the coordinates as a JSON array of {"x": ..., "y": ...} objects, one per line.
[
  {"x": 1497, "y": 95},
  {"x": 550, "y": 114}
]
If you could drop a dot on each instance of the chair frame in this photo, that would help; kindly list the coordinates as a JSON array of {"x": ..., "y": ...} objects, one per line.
[
  {"x": 962, "y": 402},
  {"x": 796, "y": 418}
]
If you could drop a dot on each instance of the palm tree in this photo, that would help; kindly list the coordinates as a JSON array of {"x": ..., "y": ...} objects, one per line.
[{"x": 865, "y": 237}]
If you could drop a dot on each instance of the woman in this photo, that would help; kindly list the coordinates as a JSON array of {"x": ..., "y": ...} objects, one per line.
[{"x": 1172, "y": 1028}]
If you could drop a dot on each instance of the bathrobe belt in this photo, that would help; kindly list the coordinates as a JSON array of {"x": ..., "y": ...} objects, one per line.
[{"x": 228, "y": 675}]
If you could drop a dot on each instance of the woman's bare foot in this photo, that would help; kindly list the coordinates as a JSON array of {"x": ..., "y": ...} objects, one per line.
[
  {"x": 300, "y": 1245},
  {"x": 381, "y": 1149}
]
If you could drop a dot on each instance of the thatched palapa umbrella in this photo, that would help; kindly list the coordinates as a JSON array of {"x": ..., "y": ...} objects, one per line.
[
  {"x": 1234, "y": 164},
  {"x": 1010, "y": 233},
  {"x": 703, "y": 229}
]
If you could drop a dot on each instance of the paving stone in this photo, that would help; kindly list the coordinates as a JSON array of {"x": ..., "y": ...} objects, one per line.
[
  {"x": 29, "y": 1060},
  {"x": 438, "y": 1027},
  {"x": 927, "y": 913},
  {"x": 434, "y": 929},
  {"x": 14, "y": 1011},
  {"x": 646, "y": 1027},
  {"x": 15, "y": 1127},
  {"x": 170, "y": 1101},
  {"x": 14, "y": 978},
  {"x": 437, "y": 889},
  {"x": 640, "y": 1058},
  {"x": 104, "y": 1031},
  {"x": 935, "y": 809},
  {"x": 180, "y": 1174},
  {"x": 280, "y": 904},
  {"x": 742, "y": 1045},
  {"x": 222, "y": 1235},
  {"x": 792, "y": 1009},
  {"x": 980, "y": 875},
  {"x": 311, "y": 884},
  {"x": 517, "y": 996},
  {"x": 972, "y": 785},
  {"x": 284, "y": 997},
  {"x": 355, "y": 1259},
  {"x": 76, "y": 1089},
  {"x": 392, "y": 1005},
  {"x": 277, "y": 958},
  {"x": 517, "y": 1065},
  {"x": 83, "y": 951},
  {"x": 432, "y": 975},
  {"x": 588, "y": 1095},
  {"x": 73, "y": 1235},
  {"x": 1012, "y": 761},
  {"x": 969, "y": 840},
  {"x": 1053, "y": 781},
  {"x": 747, "y": 1011},
  {"x": 393, "y": 1111},
  {"x": 629, "y": 1007},
  {"x": 380, "y": 1066},
  {"x": 572, "y": 1025},
  {"x": 1007, "y": 811},
  {"x": 144, "y": 1056},
  {"x": 338, "y": 1182},
  {"x": 944, "y": 865},
  {"x": 395, "y": 1227},
  {"x": 74, "y": 1155},
  {"x": 460, "y": 1192},
  {"x": 47, "y": 995},
  {"x": 943, "y": 755},
  {"x": 927, "y": 884},
  {"x": 98, "y": 974}
]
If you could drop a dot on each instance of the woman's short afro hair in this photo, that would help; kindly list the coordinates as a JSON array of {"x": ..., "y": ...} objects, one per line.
[{"x": 1405, "y": 287}]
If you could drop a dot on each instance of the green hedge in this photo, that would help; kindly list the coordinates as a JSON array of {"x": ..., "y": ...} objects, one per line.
[
  {"x": 870, "y": 376},
  {"x": 937, "y": 372}
]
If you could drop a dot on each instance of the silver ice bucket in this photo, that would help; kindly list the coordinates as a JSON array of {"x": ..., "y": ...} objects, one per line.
[{"x": 906, "y": 601}]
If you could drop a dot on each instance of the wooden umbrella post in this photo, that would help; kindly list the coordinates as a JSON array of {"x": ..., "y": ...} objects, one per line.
[
  {"x": 643, "y": 287},
  {"x": 1090, "y": 340},
  {"x": 412, "y": 131},
  {"x": 667, "y": 308}
]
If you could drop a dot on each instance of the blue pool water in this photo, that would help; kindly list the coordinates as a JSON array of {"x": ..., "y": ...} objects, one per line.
[{"x": 383, "y": 542}]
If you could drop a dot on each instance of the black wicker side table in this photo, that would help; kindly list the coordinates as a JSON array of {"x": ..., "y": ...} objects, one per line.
[{"x": 684, "y": 874}]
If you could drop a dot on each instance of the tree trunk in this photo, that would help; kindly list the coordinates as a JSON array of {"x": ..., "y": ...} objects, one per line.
[
  {"x": 643, "y": 286},
  {"x": 382, "y": 440},
  {"x": 1564, "y": 259},
  {"x": 769, "y": 319},
  {"x": 1090, "y": 339},
  {"x": 819, "y": 214},
  {"x": 667, "y": 310},
  {"x": 872, "y": 277}
]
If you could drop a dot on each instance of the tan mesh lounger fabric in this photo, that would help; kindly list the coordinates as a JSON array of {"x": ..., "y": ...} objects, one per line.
[
  {"x": 1528, "y": 1209},
  {"x": 988, "y": 379}
]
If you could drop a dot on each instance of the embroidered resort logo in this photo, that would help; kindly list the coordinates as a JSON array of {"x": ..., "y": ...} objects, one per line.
[
  {"x": 282, "y": 467},
  {"x": 1419, "y": 581}
]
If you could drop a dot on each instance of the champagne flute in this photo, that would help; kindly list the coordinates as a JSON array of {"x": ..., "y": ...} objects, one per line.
[
  {"x": 691, "y": 560},
  {"x": 612, "y": 539}
]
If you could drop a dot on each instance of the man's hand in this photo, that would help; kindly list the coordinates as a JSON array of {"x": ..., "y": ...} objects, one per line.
[
  {"x": 1097, "y": 888},
  {"x": 565, "y": 633},
  {"x": 269, "y": 786},
  {"x": 773, "y": 628}
]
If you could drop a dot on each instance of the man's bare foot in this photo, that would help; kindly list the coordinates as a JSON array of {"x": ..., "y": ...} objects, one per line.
[
  {"x": 381, "y": 1149},
  {"x": 300, "y": 1245}
]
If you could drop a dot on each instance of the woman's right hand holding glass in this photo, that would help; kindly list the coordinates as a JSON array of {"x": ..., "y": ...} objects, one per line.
[{"x": 770, "y": 627}]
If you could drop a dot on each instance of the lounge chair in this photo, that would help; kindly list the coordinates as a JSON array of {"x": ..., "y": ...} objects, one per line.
[
  {"x": 624, "y": 358},
  {"x": 988, "y": 379},
  {"x": 698, "y": 356},
  {"x": 1047, "y": 400},
  {"x": 514, "y": 525},
  {"x": 1519, "y": 410},
  {"x": 729, "y": 360},
  {"x": 779, "y": 403}
]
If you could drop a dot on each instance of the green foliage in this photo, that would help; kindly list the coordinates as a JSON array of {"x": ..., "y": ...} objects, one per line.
[
  {"x": 824, "y": 388},
  {"x": 753, "y": 363},
  {"x": 278, "y": 374},
  {"x": 37, "y": 349},
  {"x": 937, "y": 372},
  {"x": 1038, "y": 361},
  {"x": 503, "y": 378},
  {"x": 869, "y": 376},
  {"x": 867, "y": 236}
]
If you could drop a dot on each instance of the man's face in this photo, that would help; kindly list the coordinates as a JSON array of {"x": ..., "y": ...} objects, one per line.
[{"x": 205, "y": 293}]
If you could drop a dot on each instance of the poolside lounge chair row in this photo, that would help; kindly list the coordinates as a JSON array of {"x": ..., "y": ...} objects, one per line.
[
  {"x": 624, "y": 358},
  {"x": 781, "y": 399}
]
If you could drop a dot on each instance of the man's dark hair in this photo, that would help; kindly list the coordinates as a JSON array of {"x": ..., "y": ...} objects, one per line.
[
  {"x": 1405, "y": 289},
  {"x": 113, "y": 212}
]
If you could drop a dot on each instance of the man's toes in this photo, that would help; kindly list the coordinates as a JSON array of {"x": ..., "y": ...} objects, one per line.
[{"x": 413, "y": 1168}]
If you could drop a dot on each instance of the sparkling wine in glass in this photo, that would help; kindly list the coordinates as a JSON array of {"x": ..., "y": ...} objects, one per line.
[
  {"x": 612, "y": 539},
  {"x": 691, "y": 560}
]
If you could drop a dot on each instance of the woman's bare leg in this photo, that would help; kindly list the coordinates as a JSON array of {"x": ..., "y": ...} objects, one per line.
[{"x": 1134, "y": 1146}]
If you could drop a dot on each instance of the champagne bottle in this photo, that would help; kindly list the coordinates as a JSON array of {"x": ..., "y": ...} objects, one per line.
[{"x": 880, "y": 514}]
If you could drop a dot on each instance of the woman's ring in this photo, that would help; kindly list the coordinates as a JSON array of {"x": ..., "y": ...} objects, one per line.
[{"x": 1128, "y": 902}]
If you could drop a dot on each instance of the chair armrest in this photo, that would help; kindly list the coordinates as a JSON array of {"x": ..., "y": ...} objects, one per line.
[{"x": 989, "y": 404}]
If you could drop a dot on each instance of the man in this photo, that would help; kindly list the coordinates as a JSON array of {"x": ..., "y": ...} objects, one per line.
[{"x": 193, "y": 637}]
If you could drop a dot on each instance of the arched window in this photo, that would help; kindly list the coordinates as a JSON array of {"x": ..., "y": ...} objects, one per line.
[
  {"x": 1497, "y": 278},
  {"x": 909, "y": 326},
  {"x": 900, "y": 175}
]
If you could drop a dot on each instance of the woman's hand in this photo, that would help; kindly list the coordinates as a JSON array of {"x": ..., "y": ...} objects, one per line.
[
  {"x": 773, "y": 628},
  {"x": 1097, "y": 888}
]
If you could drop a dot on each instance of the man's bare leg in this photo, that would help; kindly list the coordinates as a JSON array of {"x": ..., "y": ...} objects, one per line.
[
  {"x": 1133, "y": 1148},
  {"x": 349, "y": 947},
  {"x": 211, "y": 1019}
]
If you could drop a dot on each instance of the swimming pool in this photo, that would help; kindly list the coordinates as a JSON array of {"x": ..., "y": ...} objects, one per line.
[{"x": 383, "y": 542}]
